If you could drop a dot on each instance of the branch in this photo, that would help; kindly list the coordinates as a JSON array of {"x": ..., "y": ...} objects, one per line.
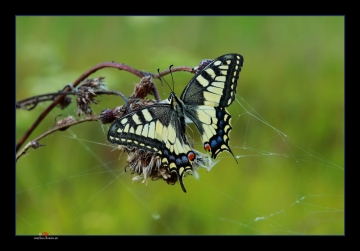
[
  {"x": 60, "y": 126},
  {"x": 34, "y": 101}
]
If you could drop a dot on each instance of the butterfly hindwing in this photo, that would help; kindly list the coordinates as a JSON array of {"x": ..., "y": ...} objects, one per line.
[
  {"x": 206, "y": 97},
  {"x": 213, "y": 124}
]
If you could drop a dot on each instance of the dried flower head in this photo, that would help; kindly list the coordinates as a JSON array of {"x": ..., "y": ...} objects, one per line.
[
  {"x": 143, "y": 88},
  {"x": 64, "y": 121},
  {"x": 107, "y": 116},
  {"x": 35, "y": 144},
  {"x": 86, "y": 94},
  {"x": 202, "y": 65},
  {"x": 65, "y": 102}
]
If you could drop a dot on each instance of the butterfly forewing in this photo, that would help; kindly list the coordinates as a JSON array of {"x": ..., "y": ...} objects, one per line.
[
  {"x": 215, "y": 85},
  {"x": 141, "y": 128}
]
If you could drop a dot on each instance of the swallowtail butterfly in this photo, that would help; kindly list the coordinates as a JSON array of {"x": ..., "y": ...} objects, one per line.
[{"x": 160, "y": 128}]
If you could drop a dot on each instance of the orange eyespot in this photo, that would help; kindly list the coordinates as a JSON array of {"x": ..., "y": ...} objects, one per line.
[
  {"x": 207, "y": 147},
  {"x": 191, "y": 156}
]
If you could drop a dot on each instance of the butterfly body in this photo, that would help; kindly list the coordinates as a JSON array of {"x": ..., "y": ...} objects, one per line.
[{"x": 160, "y": 128}]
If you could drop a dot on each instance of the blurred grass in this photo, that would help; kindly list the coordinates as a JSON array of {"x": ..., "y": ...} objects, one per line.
[{"x": 293, "y": 76}]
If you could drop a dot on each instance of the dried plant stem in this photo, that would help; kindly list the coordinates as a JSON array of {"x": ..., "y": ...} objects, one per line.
[
  {"x": 34, "y": 143},
  {"x": 33, "y": 101}
]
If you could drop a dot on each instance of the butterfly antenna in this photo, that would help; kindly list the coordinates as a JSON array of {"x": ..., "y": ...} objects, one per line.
[
  {"x": 172, "y": 76},
  {"x": 161, "y": 78}
]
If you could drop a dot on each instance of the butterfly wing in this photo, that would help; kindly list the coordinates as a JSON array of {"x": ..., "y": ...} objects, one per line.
[
  {"x": 158, "y": 129},
  {"x": 206, "y": 97}
]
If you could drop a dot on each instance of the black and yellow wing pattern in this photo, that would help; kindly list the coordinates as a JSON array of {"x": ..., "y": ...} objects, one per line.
[{"x": 160, "y": 128}]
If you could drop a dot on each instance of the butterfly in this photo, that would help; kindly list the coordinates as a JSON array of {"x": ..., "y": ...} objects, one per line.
[{"x": 160, "y": 128}]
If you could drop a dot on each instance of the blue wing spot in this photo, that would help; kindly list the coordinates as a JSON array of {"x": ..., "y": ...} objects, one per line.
[
  {"x": 178, "y": 162},
  {"x": 184, "y": 159},
  {"x": 214, "y": 144},
  {"x": 172, "y": 158}
]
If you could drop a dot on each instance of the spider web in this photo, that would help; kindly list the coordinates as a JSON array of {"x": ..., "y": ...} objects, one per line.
[{"x": 281, "y": 185}]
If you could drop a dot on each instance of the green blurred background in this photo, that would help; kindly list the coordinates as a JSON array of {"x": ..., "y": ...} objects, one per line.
[{"x": 293, "y": 78}]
